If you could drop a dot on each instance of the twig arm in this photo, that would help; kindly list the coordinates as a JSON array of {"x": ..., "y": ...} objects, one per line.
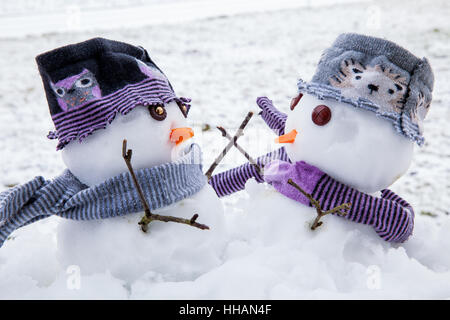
[
  {"x": 127, "y": 154},
  {"x": 320, "y": 213},
  {"x": 340, "y": 210},
  {"x": 227, "y": 148},
  {"x": 191, "y": 221},
  {"x": 149, "y": 217},
  {"x": 313, "y": 201},
  {"x": 241, "y": 150}
]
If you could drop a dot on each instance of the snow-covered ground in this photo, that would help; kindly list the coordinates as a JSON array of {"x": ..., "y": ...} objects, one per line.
[{"x": 223, "y": 63}]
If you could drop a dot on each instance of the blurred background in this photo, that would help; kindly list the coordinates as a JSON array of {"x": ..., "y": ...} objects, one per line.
[{"x": 222, "y": 54}]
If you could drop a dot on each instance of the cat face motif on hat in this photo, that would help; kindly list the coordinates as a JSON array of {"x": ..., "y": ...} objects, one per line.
[{"x": 375, "y": 83}]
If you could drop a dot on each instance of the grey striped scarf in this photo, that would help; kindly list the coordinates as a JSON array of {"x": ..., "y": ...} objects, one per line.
[{"x": 67, "y": 197}]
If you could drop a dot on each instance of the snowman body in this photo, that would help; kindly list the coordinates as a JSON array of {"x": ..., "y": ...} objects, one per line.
[{"x": 171, "y": 250}]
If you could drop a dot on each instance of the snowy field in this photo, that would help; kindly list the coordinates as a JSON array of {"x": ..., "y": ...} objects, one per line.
[{"x": 223, "y": 62}]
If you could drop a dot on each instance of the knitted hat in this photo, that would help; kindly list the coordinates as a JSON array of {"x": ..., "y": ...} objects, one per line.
[
  {"x": 88, "y": 83},
  {"x": 376, "y": 75}
]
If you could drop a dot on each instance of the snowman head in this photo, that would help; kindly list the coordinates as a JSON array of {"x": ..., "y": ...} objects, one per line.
[
  {"x": 348, "y": 143},
  {"x": 116, "y": 92},
  {"x": 154, "y": 141},
  {"x": 361, "y": 113}
]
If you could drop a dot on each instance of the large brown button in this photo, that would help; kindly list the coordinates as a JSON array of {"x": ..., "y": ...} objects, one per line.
[
  {"x": 295, "y": 101},
  {"x": 321, "y": 115}
]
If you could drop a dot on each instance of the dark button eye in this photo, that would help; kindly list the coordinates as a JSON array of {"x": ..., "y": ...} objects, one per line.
[
  {"x": 158, "y": 112},
  {"x": 295, "y": 101},
  {"x": 321, "y": 115},
  {"x": 183, "y": 108}
]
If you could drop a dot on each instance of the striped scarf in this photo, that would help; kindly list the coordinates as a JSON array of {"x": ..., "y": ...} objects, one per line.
[
  {"x": 391, "y": 216},
  {"x": 67, "y": 197}
]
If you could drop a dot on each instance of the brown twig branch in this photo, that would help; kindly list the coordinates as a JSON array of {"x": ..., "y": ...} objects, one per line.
[
  {"x": 241, "y": 150},
  {"x": 149, "y": 216},
  {"x": 341, "y": 209},
  {"x": 126, "y": 154},
  {"x": 239, "y": 133}
]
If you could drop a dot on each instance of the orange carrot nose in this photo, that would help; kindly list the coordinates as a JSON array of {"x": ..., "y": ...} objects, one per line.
[
  {"x": 179, "y": 135},
  {"x": 287, "y": 138}
]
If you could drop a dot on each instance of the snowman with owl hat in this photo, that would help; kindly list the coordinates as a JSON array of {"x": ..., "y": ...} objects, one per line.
[
  {"x": 101, "y": 92},
  {"x": 349, "y": 135}
]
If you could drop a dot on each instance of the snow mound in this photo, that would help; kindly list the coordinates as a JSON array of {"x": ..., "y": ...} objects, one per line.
[
  {"x": 267, "y": 251},
  {"x": 175, "y": 252},
  {"x": 272, "y": 253}
]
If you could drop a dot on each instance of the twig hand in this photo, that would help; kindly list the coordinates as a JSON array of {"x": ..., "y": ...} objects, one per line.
[
  {"x": 149, "y": 217},
  {"x": 341, "y": 209}
]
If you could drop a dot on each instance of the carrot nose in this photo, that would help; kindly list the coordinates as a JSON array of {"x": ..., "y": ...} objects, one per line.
[
  {"x": 287, "y": 138},
  {"x": 179, "y": 135}
]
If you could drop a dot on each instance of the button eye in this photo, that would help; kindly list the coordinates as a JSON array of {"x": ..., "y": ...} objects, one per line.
[
  {"x": 158, "y": 112},
  {"x": 321, "y": 115},
  {"x": 183, "y": 108}
]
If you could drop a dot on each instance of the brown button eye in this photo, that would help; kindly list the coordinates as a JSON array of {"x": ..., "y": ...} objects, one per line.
[
  {"x": 321, "y": 115},
  {"x": 157, "y": 112},
  {"x": 183, "y": 108},
  {"x": 295, "y": 101}
]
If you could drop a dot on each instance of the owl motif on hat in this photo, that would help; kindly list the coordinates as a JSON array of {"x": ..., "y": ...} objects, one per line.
[{"x": 76, "y": 90}]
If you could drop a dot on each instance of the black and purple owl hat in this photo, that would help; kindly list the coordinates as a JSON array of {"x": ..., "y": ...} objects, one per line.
[{"x": 88, "y": 83}]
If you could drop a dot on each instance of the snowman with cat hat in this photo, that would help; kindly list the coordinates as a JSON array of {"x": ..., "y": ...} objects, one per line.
[{"x": 349, "y": 135}]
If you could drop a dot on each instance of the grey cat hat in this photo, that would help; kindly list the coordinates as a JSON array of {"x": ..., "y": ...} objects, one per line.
[{"x": 376, "y": 75}]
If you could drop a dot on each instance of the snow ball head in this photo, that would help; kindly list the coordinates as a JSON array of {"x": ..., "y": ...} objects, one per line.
[{"x": 350, "y": 144}]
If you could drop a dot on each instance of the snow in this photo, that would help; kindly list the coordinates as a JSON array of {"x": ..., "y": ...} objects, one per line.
[
  {"x": 355, "y": 147},
  {"x": 172, "y": 251},
  {"x": 266, "y": 249}
]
